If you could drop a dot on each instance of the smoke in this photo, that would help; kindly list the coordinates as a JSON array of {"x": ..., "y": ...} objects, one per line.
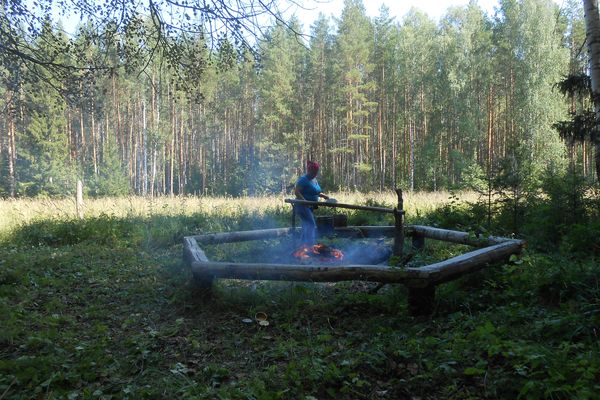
[{"x": 356, "y": 251}]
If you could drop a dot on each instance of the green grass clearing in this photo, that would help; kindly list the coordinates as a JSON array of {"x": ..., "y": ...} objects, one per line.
[{"x": 103, "y": 308}]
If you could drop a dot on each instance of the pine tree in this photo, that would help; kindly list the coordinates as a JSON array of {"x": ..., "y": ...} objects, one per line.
[
  {"x": 47, "y": 168},
  {"x": 353, "y": 54}
]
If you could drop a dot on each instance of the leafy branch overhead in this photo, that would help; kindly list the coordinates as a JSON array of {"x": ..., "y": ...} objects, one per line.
[{"x": 184, "y": 32}]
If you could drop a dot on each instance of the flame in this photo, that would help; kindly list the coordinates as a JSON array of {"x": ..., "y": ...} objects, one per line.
[{"x": 318, "y": 251}]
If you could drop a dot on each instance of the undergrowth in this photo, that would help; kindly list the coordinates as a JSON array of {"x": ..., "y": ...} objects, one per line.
[{"x": 104, "y": 308}]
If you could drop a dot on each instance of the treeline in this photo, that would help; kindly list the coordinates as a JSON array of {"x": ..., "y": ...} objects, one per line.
[{"x": 379, "y": 102}]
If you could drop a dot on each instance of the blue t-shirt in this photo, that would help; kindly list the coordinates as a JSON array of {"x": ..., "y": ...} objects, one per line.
[{"x": 309, "y": 188}]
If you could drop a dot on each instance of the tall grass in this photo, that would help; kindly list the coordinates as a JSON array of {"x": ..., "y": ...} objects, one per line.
[{"x": 18, "y": 212}]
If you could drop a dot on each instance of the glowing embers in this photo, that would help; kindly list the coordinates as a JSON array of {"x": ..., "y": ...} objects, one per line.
[{"x": 318, "y": 252}]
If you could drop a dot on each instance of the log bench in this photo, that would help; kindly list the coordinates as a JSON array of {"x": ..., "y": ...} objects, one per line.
[{"x": 420, "y": 281}]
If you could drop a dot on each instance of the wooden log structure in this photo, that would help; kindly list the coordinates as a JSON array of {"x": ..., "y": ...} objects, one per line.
[
  {"x": 414, "y": 277},
  {"x": 420, "y": 281}
]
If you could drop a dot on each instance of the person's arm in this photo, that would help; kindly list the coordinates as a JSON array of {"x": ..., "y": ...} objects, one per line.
[{"x": 323, "y": 196}]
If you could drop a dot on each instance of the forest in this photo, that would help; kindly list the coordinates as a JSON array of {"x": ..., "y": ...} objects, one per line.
[
  {"x": 185, "y": 133},
  {"x": 380, "y": 102}
]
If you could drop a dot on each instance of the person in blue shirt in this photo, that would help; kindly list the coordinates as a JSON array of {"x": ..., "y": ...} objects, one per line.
[{"x": 307, "y": 188}]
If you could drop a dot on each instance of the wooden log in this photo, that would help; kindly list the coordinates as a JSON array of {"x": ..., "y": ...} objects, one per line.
[
  {"x": 365, "y": 231},
  {"x": 400, "y": 199},
  {"x": 311, "y": 273},
  {"x": 192, "y": 253},
  {"x": 454, "y": 267},
  {"x": 399, "y": 226},
  {"x": 263, "y": 234},
  {"x": 398, "y": 234},
  {"x": 421, "y": 301},
  {"x": 340, "y": 220},
  {"x": 419, "y": 233},
  {"x": 451, "y": 236},
  {"x": 418, "y": 241},
  {"x": 241, "y": 236},
  {"x": 340, "y": 205}
]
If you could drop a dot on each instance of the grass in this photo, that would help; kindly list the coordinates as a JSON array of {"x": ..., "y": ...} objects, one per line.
[
  {"x": 103, "y": 309},
  {"x": 23, "y": 211}
]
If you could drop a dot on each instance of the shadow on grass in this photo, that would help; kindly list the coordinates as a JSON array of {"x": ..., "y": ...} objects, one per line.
[{"x": 104, "y": 308}]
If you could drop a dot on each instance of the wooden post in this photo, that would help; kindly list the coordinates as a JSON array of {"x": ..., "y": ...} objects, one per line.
[
  {"x": 193, "y": 253},
  {"x": 398, "y": 224},
  {"x": 421, "y": 301},
  {"x": 418, "y": 241},
  {"x": 79, "y": 200}
]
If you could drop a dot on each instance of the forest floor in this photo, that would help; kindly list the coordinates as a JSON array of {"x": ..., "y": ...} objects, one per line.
[{"x": 104, "y": 308}]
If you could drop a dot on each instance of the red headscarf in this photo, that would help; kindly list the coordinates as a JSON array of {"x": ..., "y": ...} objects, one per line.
[{"x": 312, "y": 166}]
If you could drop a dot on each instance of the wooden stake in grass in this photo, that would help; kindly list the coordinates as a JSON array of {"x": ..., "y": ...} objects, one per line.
[
  {"x": 79, "y": 200},
  {"x": 398, "y": 224}
]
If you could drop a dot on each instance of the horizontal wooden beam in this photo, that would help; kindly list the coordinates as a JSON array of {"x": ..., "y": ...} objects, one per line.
[
  {"x": 454, "y": 267},
  {"x": 341, "y": 205},
  {"x": 365, "y": 231},
  {"x": 242, "y": 236},
  {"x": 308, "y": 273},
  {"x": 451, "y": 236}
]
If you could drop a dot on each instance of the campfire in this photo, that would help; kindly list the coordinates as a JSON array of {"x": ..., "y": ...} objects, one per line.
[{"x": 318, "y": 252}]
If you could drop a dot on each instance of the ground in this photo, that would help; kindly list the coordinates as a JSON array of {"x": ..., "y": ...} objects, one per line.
[{"x": 105, "y": 308}]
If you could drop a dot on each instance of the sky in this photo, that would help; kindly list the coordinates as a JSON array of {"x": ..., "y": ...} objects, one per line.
[
  {"x": 397, "y": 8},
  {"x": 308, "y": 10}
]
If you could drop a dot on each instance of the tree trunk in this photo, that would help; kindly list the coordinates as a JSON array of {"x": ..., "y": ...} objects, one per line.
[
  {"x": 380, "y": 115},
  {"x": 592, "y": 24},
  {"x": 144, "y": 171},
  {"x": 12, "y": 150},
  {"x": 94, "y": 141}
]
